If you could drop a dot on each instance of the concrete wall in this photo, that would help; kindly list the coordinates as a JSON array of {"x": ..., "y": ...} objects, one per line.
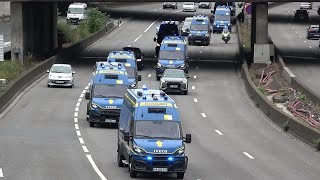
[{"x": 4, "y": 8}]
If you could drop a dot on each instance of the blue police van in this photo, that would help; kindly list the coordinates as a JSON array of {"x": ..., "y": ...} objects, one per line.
[
  {"x": 173, "y": 54},
  {"x": 150, "y": 138},
  {"x": 200, "y": 30},
  {"x": 130, "y": 62},
  {"x": 222, "y": 19},
  {"x": 107, "y": 88}
]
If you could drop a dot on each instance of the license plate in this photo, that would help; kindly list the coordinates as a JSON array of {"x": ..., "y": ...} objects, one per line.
[
  {"x": 160, "y": 169},
  {"x": 110, "y": 120},
  {"x": 198, "y": 41},
  {"x": 174, "y": 86},
  {"x": 60, "y": 82}
]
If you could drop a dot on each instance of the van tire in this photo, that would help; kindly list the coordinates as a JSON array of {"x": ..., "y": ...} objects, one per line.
[
  {"x": 119, "y": 159},
  {"x": 132, "y": 172},
  {"x": 91, "y": 124},
  {"x": 158, "y": 78},
  {"x": 180, "y": 175}
]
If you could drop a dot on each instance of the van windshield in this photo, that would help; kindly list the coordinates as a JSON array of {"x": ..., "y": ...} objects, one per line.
[
  {"x": 222, "y": 17},
  {"x": 76, "y": 10},
  {"x": 172, "y": 55},
  {"x": 158, "y": 129},
  {"x": 199, "y": 27},
  {"x": 109, "y": 90},
  {"x": 130, "y": 71}
]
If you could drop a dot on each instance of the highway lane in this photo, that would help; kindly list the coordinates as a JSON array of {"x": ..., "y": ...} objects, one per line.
[
  {"x": 221, "y": 104},
  {"x": 220, "y": 96},
  {"x": 291, "y": 40}
]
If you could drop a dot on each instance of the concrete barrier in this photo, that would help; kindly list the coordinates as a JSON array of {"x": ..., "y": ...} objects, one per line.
[
  {"x": 294, "y": 126},
  {"x": 16, "y": 86}
]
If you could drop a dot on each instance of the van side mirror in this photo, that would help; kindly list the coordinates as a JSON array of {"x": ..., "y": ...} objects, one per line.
[
  {"x": 187, "y": 139},
  {"x": 154, "y": 39},
  {"x": 126, "y": 136},
  {"x": 88, "y": 95},
  {"x": 48, "y": 71},
  {"x": 139, "y": 77}
]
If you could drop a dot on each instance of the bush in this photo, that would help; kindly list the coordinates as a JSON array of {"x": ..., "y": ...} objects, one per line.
[{"x": 96, "y": 20}]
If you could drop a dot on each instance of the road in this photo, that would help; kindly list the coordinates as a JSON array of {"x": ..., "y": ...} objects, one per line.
[
  {"x": 301, "y": 55},
  {"x": 45, "y": 135}
]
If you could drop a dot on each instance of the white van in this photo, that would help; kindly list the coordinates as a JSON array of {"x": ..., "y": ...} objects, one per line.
[{"x": 76, "y": 12}]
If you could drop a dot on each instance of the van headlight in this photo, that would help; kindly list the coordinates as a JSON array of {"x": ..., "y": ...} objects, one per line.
[
  {"x": 182, "y": 66},
  {"x": 94, "y": 105},
  {"x": 229, "y": 24},
  {"x": 207, "y": 35},
  {"x": 179, "y": 151},
  {"x": 185, "y": 81},
  {"x": 133, "y": 85},
  {"x": 138, "y": 149},
  {"x": 159, "y": 65}
]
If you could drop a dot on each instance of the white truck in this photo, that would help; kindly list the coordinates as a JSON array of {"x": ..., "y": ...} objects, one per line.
[{"x": 76, "y": 12}]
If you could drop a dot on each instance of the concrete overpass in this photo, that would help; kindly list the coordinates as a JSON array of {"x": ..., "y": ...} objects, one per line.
[{"x": 34, "y": 24}]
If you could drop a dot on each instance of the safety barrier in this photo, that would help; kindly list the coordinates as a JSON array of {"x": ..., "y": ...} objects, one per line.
[{"x": 17, "y": 86}]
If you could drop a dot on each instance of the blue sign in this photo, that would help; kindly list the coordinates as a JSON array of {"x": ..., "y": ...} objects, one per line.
[{"x": 249, "y": 8}]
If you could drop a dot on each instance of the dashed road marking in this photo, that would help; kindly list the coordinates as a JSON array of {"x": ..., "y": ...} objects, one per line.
[
  {"x": 300, "y": 36},
  {"x": 149, "y": 75},
  {"x": 76, "y": 114},
  {"x": 150, "y": 26},
  {"x": 94, "y": 166},
  {"x": 195, "y": 100},
  {"x": 78, "y": 133},
  {"x": 217, "y": 131},
  {"x": 76, "y": 120},
  {"x": 77, "y": 109},
  {"x": 305, "y": 41},
  {"x": 310, "y": 46},
  {"x": 84, "y": 91},
  {"x": 85, "y": 149},
  {"x": 203, "y": 115},
  {"x": 81, "y": 140},
  {"x": 248, "y": 155},
  {"x": 81, "y": 95},
  {"x": 78, "y": 104},
  {"x": 193, "y": 87},
  {"x": 292, "y": 27},
  {"x": 129, "y": 45},
  {"x": 80, "y": 99},
  {"x": 296, "y": 32},
  {"x": 87, "y": 87},
  {"x": 76, "y": 126},
  {"x": 1, "y": 173},
  {"x": 200, "y": 51},
  {"x": 137, "y": 38},
  {"x": 197, "y": 67},
  {"x": 195, "y": 77}
]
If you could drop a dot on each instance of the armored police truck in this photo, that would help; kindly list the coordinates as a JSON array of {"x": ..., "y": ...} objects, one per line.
[
  {"x": 108, "y": 86},
  {"x": 173, "y": 54},
  {"x": 150, "y": 135},
  {"x": 200, "y": 31},
  {"x": 130, "y": 62}
]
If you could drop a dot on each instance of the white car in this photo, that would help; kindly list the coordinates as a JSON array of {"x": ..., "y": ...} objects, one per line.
[
  {"x": 61, "y": 75},
  {"x": 189, "y": 6},
  {"x": 306, "y": 5}
]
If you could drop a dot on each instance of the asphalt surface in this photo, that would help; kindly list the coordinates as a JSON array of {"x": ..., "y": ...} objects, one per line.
[
  {"x": 300, "y": 54},
  {"x": 231, "y": 138}
]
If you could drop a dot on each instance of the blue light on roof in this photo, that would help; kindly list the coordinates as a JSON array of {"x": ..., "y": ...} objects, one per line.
[
  {"x": 144, "y": 87},
  {"x": 119, "y": 66}
]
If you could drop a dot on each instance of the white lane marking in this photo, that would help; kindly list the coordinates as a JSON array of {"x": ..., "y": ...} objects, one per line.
[
  {"x": 217, "y": 131},
  {"x": 300, "y": 36},
  {"x": 149, "y": 75},
  {"x": 1, "y": 173},
  {"x": 84, "y": 91},
  {"x": 94, "y": 166},
  {"x": 296, "y": 32},
  {"x": 150, "y": 26},
  {"x": 85, "y": 149},
  {"x": 137, "y": 38},
  {"x": 129, "y": 45},
  {"x": 155, "y": 9},
  {"x": 87, "y": 87},
  {"x": 78, "y": 133},
  {"x": 202, "y": 46},
  {"x": 75, "y": 114},
  {"x": 203, "y": 115},
  {"x": 78, "y": 104},
  {"x": 193, "y": 87},
  {"x": 195, "y": 77},
  {"x": 81, "y": 140},
  {"x": 88, "y": 84},
  {"x": 310, "y": 46},
  {"x": 76, "y": 120},
  {"x": 292, "y": 27},
  {"x": 200, "y": 51},
  {"x": 195, "y": 100},
  {"x": 305, "y": 41},
  {"x": 76, "y": 126},
  {"x": 77, "y": 109},
  {"x": 81, "y": 95},
  {"x": 288, "y": 11},
  {"x": 80, "y": 99},
  {"x": 176, "y": 11},
  {"x": 248, "y": 155}
]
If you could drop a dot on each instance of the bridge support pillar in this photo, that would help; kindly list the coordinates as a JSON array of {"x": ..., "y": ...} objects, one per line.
[
  {"x": 259, "y": 33},
  {"x": 33, "y": 29}
]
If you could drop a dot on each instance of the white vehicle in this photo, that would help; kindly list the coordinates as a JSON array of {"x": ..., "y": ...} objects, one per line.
[
  {"x": 306, "y": 5},
  {"x": 207, "y": 5},
  {"x": 189, "y": 6},
  {"x": 77, "y": 12},
  {"x": 61, "y": 75}
]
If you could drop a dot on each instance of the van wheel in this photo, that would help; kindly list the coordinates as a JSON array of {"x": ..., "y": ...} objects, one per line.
[
  {"x": 119, "y": 159},
  {"x": 180, "y": 175},
  {"x": 91, "y": 124},
  {"x": 185, "y": 92},
  {"x": 158, "y": 78},
  {"x": 133, "y": 173}
]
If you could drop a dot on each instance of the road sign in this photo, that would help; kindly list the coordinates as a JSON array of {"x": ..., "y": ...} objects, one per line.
[
  {"x": 248, "y": 8},
  {"x": 1, "y": 48}
]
